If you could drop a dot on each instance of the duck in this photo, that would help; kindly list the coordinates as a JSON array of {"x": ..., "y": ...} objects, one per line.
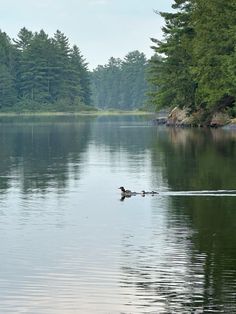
[{"x": 125, "y": 192}]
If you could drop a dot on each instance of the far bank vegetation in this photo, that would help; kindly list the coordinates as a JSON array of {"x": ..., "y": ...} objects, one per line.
[
  {"x": 42, "y": 73},
  {"x": 194, "y": 66}
]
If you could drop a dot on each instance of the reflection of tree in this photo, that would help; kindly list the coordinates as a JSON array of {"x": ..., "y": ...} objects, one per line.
[
  {"x": 187, "y": 266},
  {"x": 161, "y": 276},
  {"x": 127, "y": 139},
  {"x": 214, "y": 222},
  {"x": 123, "y": 132},
  {"x": 199, "y": 160},
  {"x": 39, "y": 153}
]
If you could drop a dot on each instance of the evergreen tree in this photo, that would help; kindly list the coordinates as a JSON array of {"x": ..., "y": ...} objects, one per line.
[
  {"x": 80, "y": 75},
  {"x": 172, "y": 71},
  {"x": 49, "y": 72},
  {"x": 7, "y": 88},
  {"x": 7, "y": 73},
  {"x": 120, "y": 84},
  {"x": 106, "y": 82},
  {"x": 24, "y": 39},
  {"x": 197, "y": 65},
  {"x": 62, "y": 66},
  {"x": 134, "y": 80},
  {"x": 214, "y": 51}
]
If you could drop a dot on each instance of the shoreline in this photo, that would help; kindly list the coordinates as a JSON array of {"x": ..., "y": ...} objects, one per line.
[
  {"x": 82, "y": 113},
  {"x": 179, "y": 118}
]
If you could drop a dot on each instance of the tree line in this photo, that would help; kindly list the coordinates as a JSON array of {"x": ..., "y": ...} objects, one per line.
[
  {"x": 38, "y": 72},
  {"x": 120, "y": 84},
  {"x": 43, "y": 73},
  {"x": 194, "y": 66}
]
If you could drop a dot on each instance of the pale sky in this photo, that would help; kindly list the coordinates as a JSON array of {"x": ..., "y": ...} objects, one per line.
[{"x": 101, "y": 28}]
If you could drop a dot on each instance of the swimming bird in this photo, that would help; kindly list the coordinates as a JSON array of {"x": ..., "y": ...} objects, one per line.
[
  {"x": 125, "y": 192},
  {"x": 128, "y": 193},
  {"x": 154, "y": 192},
  {"x": 145, "y": 192}
]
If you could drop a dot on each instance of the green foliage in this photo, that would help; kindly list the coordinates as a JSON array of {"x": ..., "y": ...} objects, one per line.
[
  {"x": 7, "y": 78},
  {"x": 7, "y": 88},
  {"x": 214, "y": 49},
  {"x": 42, "y": 73},
  {"x": 120, "y": 84},
  {"x": 194, "y": 66},
  {"x": 81, "y": 81}
]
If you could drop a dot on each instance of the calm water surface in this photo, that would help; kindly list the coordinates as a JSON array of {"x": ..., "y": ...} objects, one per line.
[{"x": 69, "y": 244}]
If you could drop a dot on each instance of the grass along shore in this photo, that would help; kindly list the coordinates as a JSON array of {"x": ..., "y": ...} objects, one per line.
[{"x": 76, "y": 113}]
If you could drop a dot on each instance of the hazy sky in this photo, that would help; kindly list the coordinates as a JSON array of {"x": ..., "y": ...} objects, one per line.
[{"x": 101, "y": 28}]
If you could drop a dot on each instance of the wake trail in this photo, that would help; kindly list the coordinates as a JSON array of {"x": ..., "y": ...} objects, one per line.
[{"x": 200, "y": 193}]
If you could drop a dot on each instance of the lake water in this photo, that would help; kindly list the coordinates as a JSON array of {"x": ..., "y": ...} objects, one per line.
[{"x": 70, "y": 244}]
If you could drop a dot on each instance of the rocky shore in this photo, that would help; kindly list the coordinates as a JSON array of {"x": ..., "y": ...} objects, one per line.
[{"x": 180, "y": 118}]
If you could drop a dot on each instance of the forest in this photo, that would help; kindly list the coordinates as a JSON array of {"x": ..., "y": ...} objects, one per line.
[
  {"x": 120, "y": 84},
  {"x": 194, "y": 66},
  {"x": 42, "y": 73}
]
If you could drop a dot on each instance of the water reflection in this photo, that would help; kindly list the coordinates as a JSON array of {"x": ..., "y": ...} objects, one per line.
[
  {"x": 39, "y": 155},
  {"x": 162, "y": 276},
  {"x": 184, "y": 267},
  {"x": 193, "y": 160},
  {"x": 197, "y": 159},
  {"x": 69, "y": 245}
]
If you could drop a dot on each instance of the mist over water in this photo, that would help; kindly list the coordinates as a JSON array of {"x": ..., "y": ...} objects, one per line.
[{"x": 70, "y": 245}]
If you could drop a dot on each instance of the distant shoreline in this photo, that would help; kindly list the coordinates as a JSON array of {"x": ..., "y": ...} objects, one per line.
[{"x": 82, "y": 113}]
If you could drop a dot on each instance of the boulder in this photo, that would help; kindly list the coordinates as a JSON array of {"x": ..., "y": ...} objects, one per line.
[
  {"x": 176, "y": 116},
  {"x": 219, "y": 119},
  {"x": 232, "y": 124},
  {"x": 160, "y": 121},
  {"x": 180, "y": 117}
]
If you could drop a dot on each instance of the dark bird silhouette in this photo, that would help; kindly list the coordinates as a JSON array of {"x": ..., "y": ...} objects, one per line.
[{"x": 126, "y": 193}]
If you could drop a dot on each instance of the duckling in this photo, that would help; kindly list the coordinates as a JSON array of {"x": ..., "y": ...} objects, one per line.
[
  {"x": 143, "y": 193},
  {"x": 154, "y": 192}
]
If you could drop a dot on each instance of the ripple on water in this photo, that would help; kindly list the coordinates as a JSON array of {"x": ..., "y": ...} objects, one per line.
[{"x": 65, "y": 250}]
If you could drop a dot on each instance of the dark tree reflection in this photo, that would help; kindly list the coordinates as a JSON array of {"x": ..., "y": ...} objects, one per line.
[{"x": 38, "y": 154}]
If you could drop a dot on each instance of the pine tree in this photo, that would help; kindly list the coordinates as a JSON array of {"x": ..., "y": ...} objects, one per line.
[
  {"x": 214, "y": 51},
  {"x": 172, "y": 74},
  {"x": 7, "y": 73},
  {"x": 80, "y": 75},
  {"x": 120, "y": 84},
  {"x": 24, "y": 39},
  {"x": 62, "y": 67},
  {"x": 134, "y": 80},
  {"x": 38, "y": 71},
  {"x": 197, "y": 65}
]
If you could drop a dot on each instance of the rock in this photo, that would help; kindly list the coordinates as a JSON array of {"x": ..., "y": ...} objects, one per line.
[
  {"x": 160, "y": 121},
  {"x": 176, "y": 116},
  {"x": 219, "y": 119},
  {"x": 180, "y": 117},
  {"x": 231, "y": 125}
]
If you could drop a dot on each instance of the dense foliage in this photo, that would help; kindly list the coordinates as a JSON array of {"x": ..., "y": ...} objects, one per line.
[
  {"x": 42, "y": 73},
  {"x": 120, "y": 84},
  {"x": 195, "y": 64}
]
